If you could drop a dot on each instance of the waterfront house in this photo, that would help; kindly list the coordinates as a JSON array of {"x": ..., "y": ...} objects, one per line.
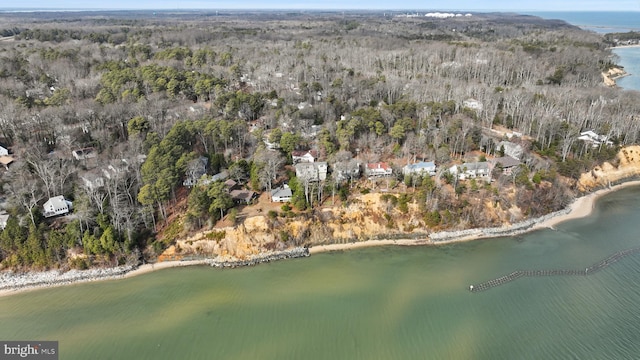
[
  {"x": 506, "y": 163},
  {"x": 281, "y": 194},
  {"x": 346, "y": 170},
  {"x": 591, "y": 137},
  {"x": 242, "y": 196},
  {"x": 311, "y": 171},
  {"x": 4, "y": 151},
  {"x": 472, "y": 170},
  {"x": 420, "y": 168},
  {"x": 379, "y": 169},
  {"x": 304, "y": 156},
  {"x": 57, "y": 205}
]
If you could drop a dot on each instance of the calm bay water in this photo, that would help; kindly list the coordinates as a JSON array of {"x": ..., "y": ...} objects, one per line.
[
  {"x": 376, "y": 303},
  {"x": 608, "y": 22}
]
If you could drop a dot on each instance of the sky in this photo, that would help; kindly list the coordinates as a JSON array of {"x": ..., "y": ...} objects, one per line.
[{"x": 461, "y": 5}]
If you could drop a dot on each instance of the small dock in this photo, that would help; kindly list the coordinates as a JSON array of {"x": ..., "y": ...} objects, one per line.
[{"x": 602, "y": 264}]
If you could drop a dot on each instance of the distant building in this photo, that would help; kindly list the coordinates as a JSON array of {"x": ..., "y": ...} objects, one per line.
[
  {"x": 473, "y": 104},
  {"x": 92, "y": 181},
  {"x": 57, "y": 205},
  {"x": 472, "y": 171},
  {"x": 281, "y": 194},
  {"x": 420, "y": 168},
  {"x": 4, "y": 217},
  {"x": 379, "y": 169},
  {"x": 594, "y": 139},
  {"x": 84, "y": 153}
]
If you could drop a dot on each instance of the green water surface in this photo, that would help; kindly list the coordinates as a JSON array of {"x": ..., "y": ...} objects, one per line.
[{"x": 375, "y": 303}]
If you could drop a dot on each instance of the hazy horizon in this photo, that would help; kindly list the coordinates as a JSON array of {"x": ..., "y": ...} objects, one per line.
[{"x": 453, "y": 5}]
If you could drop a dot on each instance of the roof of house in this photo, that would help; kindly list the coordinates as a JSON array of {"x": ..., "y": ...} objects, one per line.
[
  {"x": 245, "y": 195},
  {"x": 57, "y": 202},
  {"x": 6, "y": 160},
  {"x": 378, "y": 165},
  {"x": 421, "y": 165},
  {"x": 281, "y": 192},
  {"x": 299, "y": 153},
  {"x": 506, "y": 161},
  {"x": 478, "y": 165}
]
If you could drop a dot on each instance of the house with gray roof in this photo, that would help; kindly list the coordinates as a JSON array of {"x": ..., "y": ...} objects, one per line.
[
  {"x": 420, "y": 168},
  {"x": 57, "y": 205},
  {"x": 281, "y": 194},
  {"x": 472, "y": 170}
]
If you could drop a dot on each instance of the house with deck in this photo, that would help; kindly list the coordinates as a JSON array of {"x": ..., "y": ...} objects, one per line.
[
  {"x": 472, "y": 170},
  {"x": 379, "y": 169},
  {"x": 312, "y": 172},
  {"x": 281, "y": 194},
  {"x": 420, "y": 168}
]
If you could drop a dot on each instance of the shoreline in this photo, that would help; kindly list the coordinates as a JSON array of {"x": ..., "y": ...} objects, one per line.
[{"x": 579, "y": 208}]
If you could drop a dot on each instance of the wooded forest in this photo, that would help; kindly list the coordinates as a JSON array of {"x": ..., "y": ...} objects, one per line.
[{"x": 146, "y": 94}]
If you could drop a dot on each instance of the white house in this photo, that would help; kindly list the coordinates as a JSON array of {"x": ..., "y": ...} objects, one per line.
[
  {"x": 312, "y": 171},
  {"x": 4, "y": 217},
  {"x": 281, "y": 194},
  {"x": 3, "y": 151},
  {"x": 304, "y": 156},
  {"x": 57, "y": 205},
  {"x": 379, "y": 169},
  {"x": 594, "y": 139},
  {"x": 471, "y": 171},
  {"x": 420, "y": 168},
  {"x": 84, "y": 153},
  {"x": 473, "y": 104}
]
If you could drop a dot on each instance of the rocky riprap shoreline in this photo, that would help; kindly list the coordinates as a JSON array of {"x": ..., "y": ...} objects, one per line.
[
  {"x": 12, "y": 280},
  {"x": 261, "y": 258},
  {"x": 511, "y": 230}
]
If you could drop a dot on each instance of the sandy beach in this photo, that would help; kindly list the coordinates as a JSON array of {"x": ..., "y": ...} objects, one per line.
[{"x": 581, "y": 207}]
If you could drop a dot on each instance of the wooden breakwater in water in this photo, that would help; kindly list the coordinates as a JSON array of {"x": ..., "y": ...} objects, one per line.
[{"x": 602, "y": 264}]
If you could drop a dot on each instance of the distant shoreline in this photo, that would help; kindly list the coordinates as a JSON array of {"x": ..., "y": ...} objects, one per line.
[{"x": 581, "y": 207}]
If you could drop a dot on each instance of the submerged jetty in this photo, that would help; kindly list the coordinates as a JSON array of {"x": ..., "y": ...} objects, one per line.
[{"x": 602, "y": 264}]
